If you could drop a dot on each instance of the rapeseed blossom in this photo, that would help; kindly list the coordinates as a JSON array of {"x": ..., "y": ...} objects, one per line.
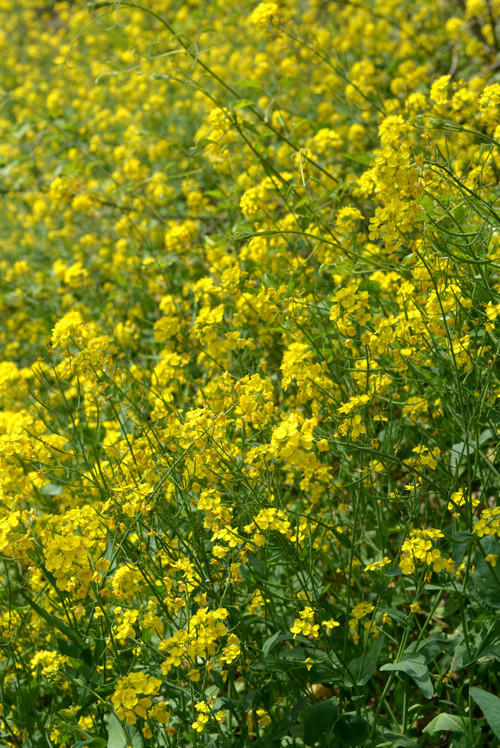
[{"x": 248, "y": 369}]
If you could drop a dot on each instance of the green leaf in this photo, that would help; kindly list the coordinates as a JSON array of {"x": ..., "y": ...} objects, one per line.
[
  {"x": 396, "y": 615},
  {"x": 250, "y": 84},
  {"x": 460, "y": 451},
  {"x": 490, "y": 650},
  {"x": 399, "y": 741},
  {"x": 434, "y": 646},
  {"x": 485, "y": 576},
  {"x": 341, "y": 537},
  {"x": 490, "y": 707},
  {"x": 418, "y": 671},
  {"x": 122, "y": 736},
  {"x": 324, "y": 672},
  {"x": 445, "y": 723},
  {"x": 51, "y": 489},
  {"x": 243, "y": 103},
  {"x": 54, "y": 622},
  {"x": 283, "y": 661},
  {"x": 274, "y": 639},
  {"x": 461, "y": 542},
  {"x": 351, "y": 729},
  {"x": 81, "y": 666},
  {"x": 342, "y": 268},
  {"x": 318, "y": 720},
  {"x": 485, "y": 436},
  {"x": 363, "y": 667}
]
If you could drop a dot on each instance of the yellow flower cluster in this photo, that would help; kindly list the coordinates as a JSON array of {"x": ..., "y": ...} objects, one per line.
[
  {"x": 418, "y": 549},
  {"x": 248, "y": 342},
  {"x": 132, "y": 698},
  {"x": 264, "y": 15}
]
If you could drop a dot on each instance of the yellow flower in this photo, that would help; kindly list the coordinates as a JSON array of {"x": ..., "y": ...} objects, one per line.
[
  {"x": 264, "y": 15},
  {"x": 128, "y": 698},
  {"x": 362, "y": 609},
  {"x": 373, "y": 565},
  {"x": 330, "y": 623},
  {"x": 438, "y": 90},
  {"x": 305, "y": 624}
]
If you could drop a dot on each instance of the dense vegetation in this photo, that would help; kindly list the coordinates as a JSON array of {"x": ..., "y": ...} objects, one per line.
[{"x": 250, "y": 373}]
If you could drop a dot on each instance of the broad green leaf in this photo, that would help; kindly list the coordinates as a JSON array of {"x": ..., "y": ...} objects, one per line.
[
  {"x": 274, "y": 639},
  {"x": 489, "y": 651},
  {"x": 485, "y": 436},
  {"x": 116, "y": 736},
  {"x": 298, "y": 654},
  {"x": 434, "y": 646},
  {"x": 346, "y": 266},
  {"x": 51, "y": 489},
  {"x": 418, "y": 671},
  {"x": 445, "y": 723},
  {"x": 343, "y": 540},
  {"x": 396, "y": 615},
  {"x": 80, "y": 665},
  {"x": 363, "y": 667},
  {"x": 250, "y": 698},
  {"x": 318, "y": 720},
  {"x": 352, "y": 729},
  {"x": 486, "y": 577},
  {"x": 460, "y": 451},
  {"x": 284, "y": 660},
  {"x": 461, "y": 542},
  {"x": 399, "y": 741},
  {"x": 490, "y": 707},
  {"x": 325, "y": 671},
  {"x": 122, "y": 736}
]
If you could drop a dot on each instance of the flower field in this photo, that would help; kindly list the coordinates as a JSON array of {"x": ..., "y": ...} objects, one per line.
[{"x": 250, "y": 374}]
